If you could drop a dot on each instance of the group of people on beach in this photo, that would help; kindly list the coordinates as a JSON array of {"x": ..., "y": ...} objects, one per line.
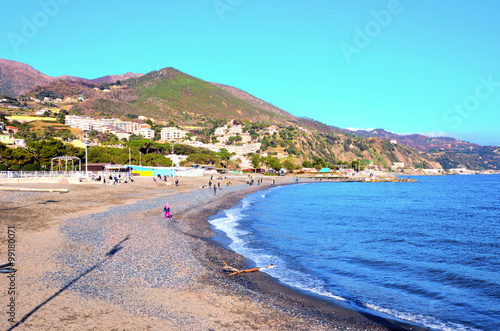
[
  {"x": 112, "y": 180},
  {"x": 250, "y": 181}
]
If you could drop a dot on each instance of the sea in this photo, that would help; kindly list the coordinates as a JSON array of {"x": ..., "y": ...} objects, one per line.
[{"x": 426, "y": 252}]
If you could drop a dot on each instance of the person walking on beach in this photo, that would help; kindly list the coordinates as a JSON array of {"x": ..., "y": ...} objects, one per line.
[
  {"x": 166, "y": 209},
  {"x": 215, "y": 190}
]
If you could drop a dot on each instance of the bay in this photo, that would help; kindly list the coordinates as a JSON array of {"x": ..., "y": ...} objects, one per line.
[{"x": 425, "y": 252}]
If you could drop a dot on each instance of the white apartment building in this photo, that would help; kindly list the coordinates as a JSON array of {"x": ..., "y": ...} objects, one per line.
[
  {"x": 130, "y": 127},
  {"x": 172, "y": 133},
  {"x": 243, "y": 149},
  {"x": 121, "y": 134},
  {"x": 235, "y": 129},
  {"x": 220, "y": 131},
  {"x": 146, "y": 133},
  {"x": 80, "y": 122},
  {"x": 89, "y": 124},
  {"x": 199, "y": 144},
  {"x": 246, "y": 138}
]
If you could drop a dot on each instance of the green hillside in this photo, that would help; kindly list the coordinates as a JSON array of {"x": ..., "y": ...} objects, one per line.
[{"x": 170, "y": 95}]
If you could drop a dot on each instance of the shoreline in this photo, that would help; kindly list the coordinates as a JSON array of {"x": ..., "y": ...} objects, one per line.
[
  {"x": 187, "y": 271},
  {"x": 335, "y": 314}
]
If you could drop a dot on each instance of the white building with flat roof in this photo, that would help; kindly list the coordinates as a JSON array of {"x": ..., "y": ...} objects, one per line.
[
  {"x": 199, "y": 144},
  {"x": 235, "y": 129},
  {"x": 147, "y": 133},
  {"x": 221, "y": 130},
  {"x": 172, "y": 133}
]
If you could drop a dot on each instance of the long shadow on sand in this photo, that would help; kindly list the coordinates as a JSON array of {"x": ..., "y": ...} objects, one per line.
[{"x": 116, "y": 248}]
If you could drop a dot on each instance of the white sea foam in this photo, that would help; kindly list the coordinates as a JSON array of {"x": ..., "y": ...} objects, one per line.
[
  {"x": 229, "y": 224},
  {"x": 427, "y": 321}
]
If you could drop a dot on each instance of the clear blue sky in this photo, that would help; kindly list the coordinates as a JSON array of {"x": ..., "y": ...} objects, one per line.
[{"x": 408, "y": 66}]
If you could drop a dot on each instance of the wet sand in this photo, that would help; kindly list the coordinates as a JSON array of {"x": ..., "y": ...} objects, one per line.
[{"x": 103, "y": 258}]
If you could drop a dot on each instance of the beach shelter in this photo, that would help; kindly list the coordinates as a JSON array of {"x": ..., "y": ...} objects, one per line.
[{"x": 325, "y": 170}]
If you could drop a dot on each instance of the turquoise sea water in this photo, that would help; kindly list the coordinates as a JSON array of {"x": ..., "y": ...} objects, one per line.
[{"x": 425, "y": 252}]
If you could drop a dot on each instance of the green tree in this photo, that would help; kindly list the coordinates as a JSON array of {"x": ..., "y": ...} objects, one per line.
[
  {"x": 319, "y": 163},
  {"x": 288, "y": 165},
  {"x": 273, "y": 163},
  {"x": 256, "y": 161},
  {"x": 224, "y": 154},
  {"x": 307, "y": 164},
  {"x": 61, "y": 117},
  {"x": 357, "y": 165}
]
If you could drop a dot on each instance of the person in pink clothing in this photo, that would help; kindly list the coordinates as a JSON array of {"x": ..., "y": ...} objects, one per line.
[{"x": 166, "y": 209}]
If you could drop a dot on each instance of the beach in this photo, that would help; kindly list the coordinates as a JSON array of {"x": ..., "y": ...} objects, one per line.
[{"x": 103, "y": 257}]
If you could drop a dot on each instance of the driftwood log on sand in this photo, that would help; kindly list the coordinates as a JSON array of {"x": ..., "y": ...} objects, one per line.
[{"x": 237, "y": 272}]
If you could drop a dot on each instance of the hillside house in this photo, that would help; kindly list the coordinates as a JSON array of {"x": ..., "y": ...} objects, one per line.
[
  {"x": 6, "y": 139},
  {"x": 20, "y": 143},
  {"x": 220, "y": 131},
  {"x": 398, "y": 165},
  {"x": 271, "y": 129},
  {"x": 42, "y": 111},
  {"x": 11, "y": 128},
  {"x": 12, "y": 142},
  {"x": 235, "y": 129}
]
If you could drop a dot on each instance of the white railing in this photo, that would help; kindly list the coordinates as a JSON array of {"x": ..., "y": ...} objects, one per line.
[{"x": 51, "y": 174}]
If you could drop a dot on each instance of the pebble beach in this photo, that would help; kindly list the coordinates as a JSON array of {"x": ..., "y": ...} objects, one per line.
[{"x": 103, "y": 257}]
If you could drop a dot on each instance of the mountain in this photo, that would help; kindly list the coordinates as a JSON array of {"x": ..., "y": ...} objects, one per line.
[
  {"x": 169, "y": 94},
  {"x": 449, "y": 152},
  {"x": 17, "y": 78},
  {"x": 247, "y": 97}
]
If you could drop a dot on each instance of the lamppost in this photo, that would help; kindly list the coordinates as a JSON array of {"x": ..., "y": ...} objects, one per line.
[
  {"x": 129, "y": 165},
  {"x": 172, "y": 153},
  {"x": 86, "y": 163},
  {"x": 140, "y": 162}
]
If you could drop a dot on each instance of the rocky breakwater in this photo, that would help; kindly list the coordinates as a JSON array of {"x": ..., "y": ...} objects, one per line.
[{"x": 389, "y": 179}]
